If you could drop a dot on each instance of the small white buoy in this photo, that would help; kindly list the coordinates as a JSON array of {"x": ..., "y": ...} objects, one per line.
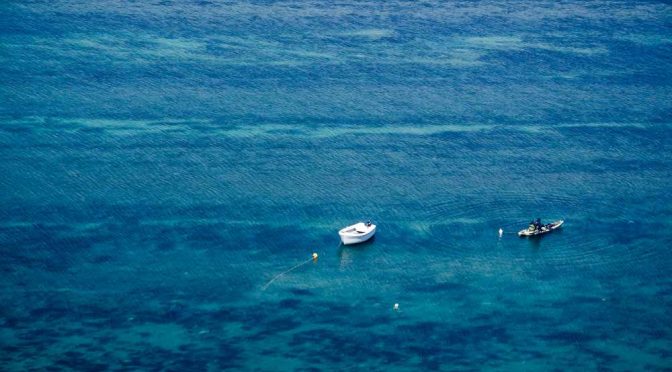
[
  {"x": 314, "y": 256},
  {"x": 501, "y": 232},
  {"x": 396, "y": 307}
]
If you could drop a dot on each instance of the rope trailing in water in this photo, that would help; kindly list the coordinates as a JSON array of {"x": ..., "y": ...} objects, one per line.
[{"x": 313, "y": 258}]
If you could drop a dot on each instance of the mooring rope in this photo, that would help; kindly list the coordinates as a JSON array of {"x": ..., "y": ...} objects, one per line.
[{"x": 313, "y": 258}]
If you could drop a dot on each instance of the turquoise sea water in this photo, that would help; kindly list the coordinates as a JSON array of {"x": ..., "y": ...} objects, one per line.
[{"x": 160, "y": 162}]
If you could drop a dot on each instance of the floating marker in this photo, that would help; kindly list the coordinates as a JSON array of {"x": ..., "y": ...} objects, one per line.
[
  {"x": 314, "y": 256},
  {"x": 396, "y": 307},
  {"x": 501, "y": 232}
]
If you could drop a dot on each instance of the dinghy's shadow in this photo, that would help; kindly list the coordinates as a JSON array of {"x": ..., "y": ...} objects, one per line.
[
  {"x": 535, "y": 241},
  {"x": 348, "y": 253}
]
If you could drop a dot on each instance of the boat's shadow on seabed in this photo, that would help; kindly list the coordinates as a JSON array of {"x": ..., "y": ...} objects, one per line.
[
  {"x": 535, "y": 241},
  {"x": 346, "y": 253}
]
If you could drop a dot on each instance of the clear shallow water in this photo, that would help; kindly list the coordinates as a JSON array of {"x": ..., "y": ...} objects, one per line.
[{"x": 161, "y": 162}]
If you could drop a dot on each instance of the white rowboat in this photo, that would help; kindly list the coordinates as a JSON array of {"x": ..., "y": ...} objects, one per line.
[{"x": 357, "y": 233}]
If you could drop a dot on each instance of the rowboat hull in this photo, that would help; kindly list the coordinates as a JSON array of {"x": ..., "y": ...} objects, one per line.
[{"x": 357, "y": 233}]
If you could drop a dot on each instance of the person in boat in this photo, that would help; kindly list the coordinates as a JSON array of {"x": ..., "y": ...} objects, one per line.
[
  {"x": 533, "y": 226},
  {"x": 537, "y": 224},
  {"x": 368, "y": 223}
]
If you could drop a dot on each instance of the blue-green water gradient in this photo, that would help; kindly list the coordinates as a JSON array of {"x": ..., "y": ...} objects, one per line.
[{"x": 161, "y": 161}]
